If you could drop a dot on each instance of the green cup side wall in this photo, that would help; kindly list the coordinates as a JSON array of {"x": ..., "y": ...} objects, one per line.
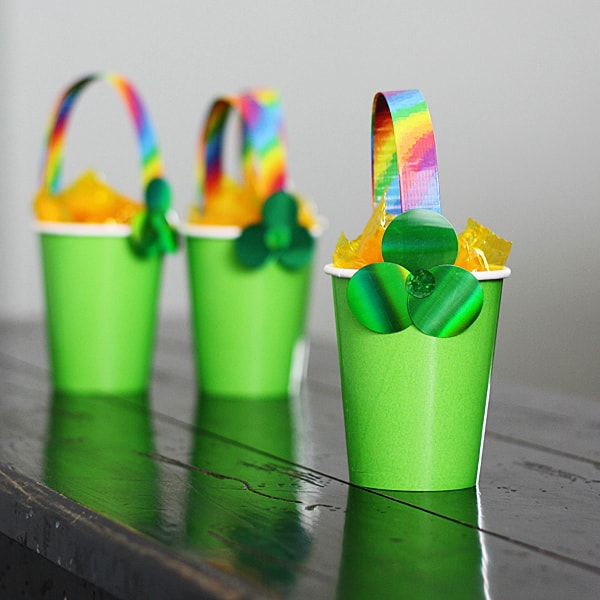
[
  {"x": 101, "y": 313},
  {"x": 247, "y": 323}
]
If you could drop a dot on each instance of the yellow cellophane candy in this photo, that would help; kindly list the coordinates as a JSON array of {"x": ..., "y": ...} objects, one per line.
[
  {"x": 480, "y": 249},
  {"x": 366, "y": 248},
  {"x": 87, "y": 200},
  {"x": 232, "y": 204},
  {"x": 238, "y": 205}
]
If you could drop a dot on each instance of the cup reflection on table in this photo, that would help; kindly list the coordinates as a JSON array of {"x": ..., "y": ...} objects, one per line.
[
  {"x": 97, "y": 453},
  {"x": 243, "y": 504},
  {"x": 394, "y": 550}
]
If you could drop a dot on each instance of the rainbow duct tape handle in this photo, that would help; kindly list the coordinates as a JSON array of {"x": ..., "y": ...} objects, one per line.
[
  {"x": 151, "y": 233},
  {"x": 279, "y": 235},
  {"x": 263, "y": 155},
  {"x": 404, "y": 161},
  {"x": 52, "y": 160}
]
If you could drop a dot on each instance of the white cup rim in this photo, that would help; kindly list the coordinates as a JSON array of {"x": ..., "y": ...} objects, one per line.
[
  {"x": 224, "y": 232},
  {"x": 91, "y": 229},
  {"x": 480, "y": 275},
  {"x": 82, "y": 229},
  {"x": 220, "y": 232}
]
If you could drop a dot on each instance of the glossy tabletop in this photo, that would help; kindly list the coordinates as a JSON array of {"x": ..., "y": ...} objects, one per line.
[{"x": 173, "y": 496}]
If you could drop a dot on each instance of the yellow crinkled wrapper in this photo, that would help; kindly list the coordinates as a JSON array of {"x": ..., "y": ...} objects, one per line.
[
  {"x": 480, "y": 249},
  {"x": 238, "y": 205},
  {"x": 366, "y": 248},
  {"x": 87, "y": 200},
  {"x": 233, "y": 204}
]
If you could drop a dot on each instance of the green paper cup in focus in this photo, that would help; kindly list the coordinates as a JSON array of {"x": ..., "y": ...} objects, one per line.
[
  {"x": 248, "y": 324},
  {"x": 415, "y": 405},
  {"x": 101, "y": 308}
]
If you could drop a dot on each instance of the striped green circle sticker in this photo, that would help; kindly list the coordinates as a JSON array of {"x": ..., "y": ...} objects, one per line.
[
  {"x": 377, "y": 297},
  {"x": 419, "y": 239},
  {"x": 453, "y": 305}
]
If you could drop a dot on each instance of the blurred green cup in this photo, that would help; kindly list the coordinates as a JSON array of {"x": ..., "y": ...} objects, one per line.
[
  {"x": 101, "y": 308},
  {"x": 415, "y": 405},
  {"x": 248, "y": 324},
  {"x": 101, "y": 297}
]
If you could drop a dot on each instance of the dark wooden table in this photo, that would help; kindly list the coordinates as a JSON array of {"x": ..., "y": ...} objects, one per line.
[{"x": 166, "y": 496}]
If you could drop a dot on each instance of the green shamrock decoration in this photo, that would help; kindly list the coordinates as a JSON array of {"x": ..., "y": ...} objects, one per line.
[
  {"x": 418, "y": 282},
  {"x": 151, "y": 233},
  {"x": 278, "y": 237}
]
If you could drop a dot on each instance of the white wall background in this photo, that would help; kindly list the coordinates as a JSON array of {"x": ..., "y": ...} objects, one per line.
[{"x": 513, "y": 88}]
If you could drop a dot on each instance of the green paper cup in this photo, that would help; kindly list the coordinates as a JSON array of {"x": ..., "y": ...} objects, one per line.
[
  {"x": 248, "y": 324},
  {"x": 101, "y": 308},
  {"x": 101, "y": 299},
  {"x": 415, "y": 405}
]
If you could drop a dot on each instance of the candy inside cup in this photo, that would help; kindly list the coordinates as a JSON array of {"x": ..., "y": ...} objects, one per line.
[{"x": 88, "y": 200}]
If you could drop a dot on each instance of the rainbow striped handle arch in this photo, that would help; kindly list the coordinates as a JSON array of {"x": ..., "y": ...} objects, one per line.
[
  {"x": 263, "y": 155},
  {"x": 403, "y": 156},
  {"x": 52, "y": 159}
]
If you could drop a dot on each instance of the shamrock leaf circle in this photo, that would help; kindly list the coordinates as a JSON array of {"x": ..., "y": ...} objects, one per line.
[
  {"x": 278, "y": 236},
  {"x": 418, "y": 282},
  {"x": 151, "y": 233}
]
